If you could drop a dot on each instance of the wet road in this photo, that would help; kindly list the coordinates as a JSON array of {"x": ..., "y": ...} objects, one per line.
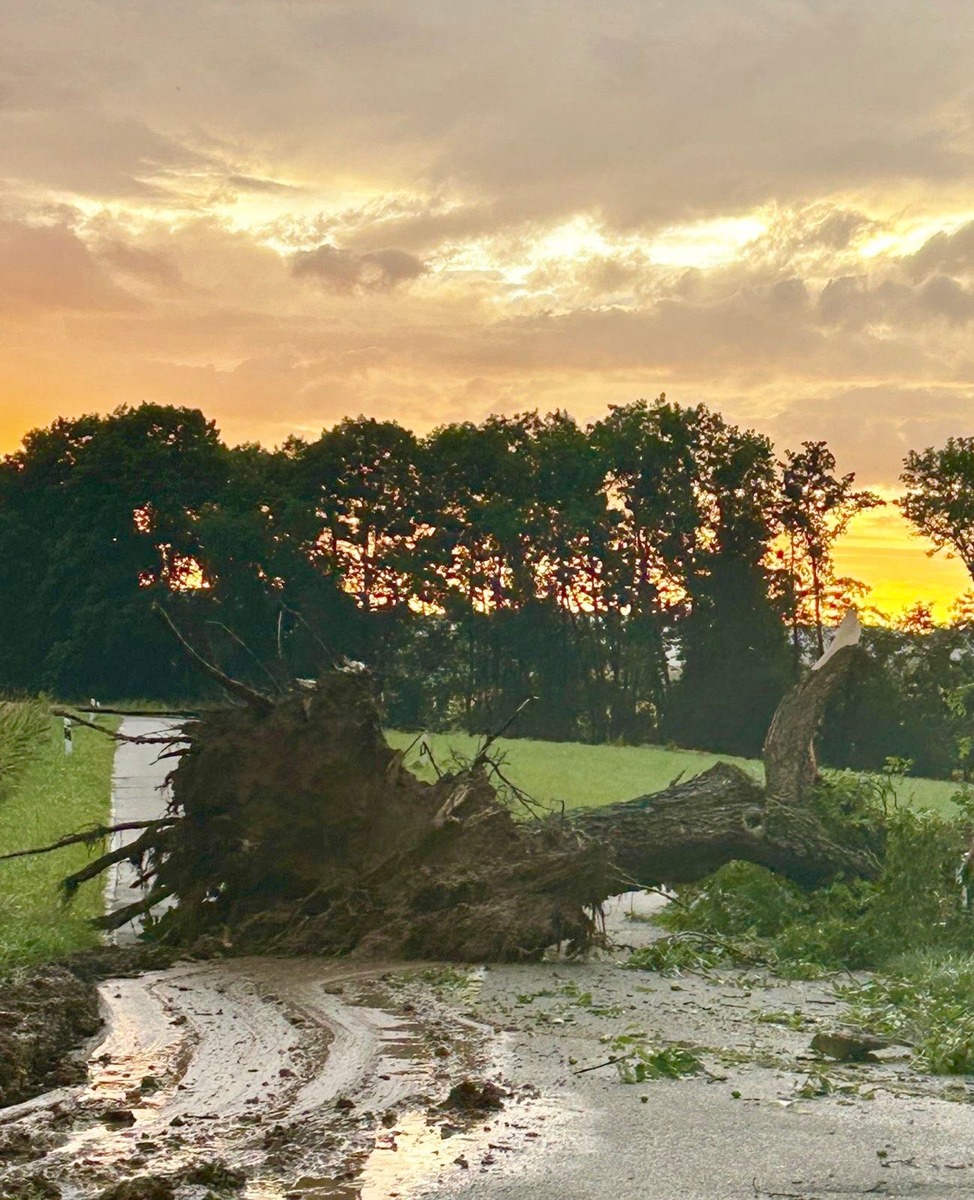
[
  {"x": 139, "y": 793},
  {"x": 313, "y": 1079}
]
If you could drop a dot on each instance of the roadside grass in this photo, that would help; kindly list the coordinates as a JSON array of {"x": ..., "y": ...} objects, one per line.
[
  {"x": 581, "y": 776},
  {"x": 926, "y": 1001},
  {"x": 56, "y": 794}
]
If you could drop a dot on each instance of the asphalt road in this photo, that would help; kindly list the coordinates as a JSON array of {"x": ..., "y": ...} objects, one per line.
[
  {"x": 139, "y": 793},
  {"x": 742, "y": 1132}
]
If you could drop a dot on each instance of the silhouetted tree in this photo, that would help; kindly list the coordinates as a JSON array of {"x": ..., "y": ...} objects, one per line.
[
  {"x": 939, "y": 497},
  {"x": 735, "y": 659},
  {"x": 815, "y": 510},
  {"x": 98, "y": 518}
]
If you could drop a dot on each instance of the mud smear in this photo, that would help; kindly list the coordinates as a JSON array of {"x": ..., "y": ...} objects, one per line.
[{"x": 311, "y": 1080}]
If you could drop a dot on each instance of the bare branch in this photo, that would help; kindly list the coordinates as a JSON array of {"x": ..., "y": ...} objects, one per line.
[
  {"x": 128, "y": 912},
  {"x": 249, "y": 695},
  {"x": 136, "y": 739},
  {"x": 134, "y": 850},
  {"x": 482, "y": 752},
  {"x": 330, "y": 657},
  {"x": 89, "y": 836},
  {"x": 136, "y": 712},
  {"x": 243, "y": 645}
]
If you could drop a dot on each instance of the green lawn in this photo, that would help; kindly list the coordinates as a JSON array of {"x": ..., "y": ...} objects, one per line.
[
  {"x": 57, "y": 794},
  {"x": 588, "y": 776}
]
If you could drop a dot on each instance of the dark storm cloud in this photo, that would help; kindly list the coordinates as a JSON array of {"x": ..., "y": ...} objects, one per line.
[
  {"x": 651, "y": 112},
  {"x": 950, "y": 252},
  {"x": 86, "y": 151},
  {"x": 248, "y": 183},
  {"x": 422, "y": 153},
  {"x": 141, "y": 262}
]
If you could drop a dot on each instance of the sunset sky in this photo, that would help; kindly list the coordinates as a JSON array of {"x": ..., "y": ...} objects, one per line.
[{"x": 289, "y": 211}]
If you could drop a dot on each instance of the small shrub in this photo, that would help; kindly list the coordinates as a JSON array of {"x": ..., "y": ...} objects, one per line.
[
  {"x": 856, "y": 924},
  {"x": 677, "y": 953},
  {"x": 639, "y": 1062},
  {"x": 907, "y": 924}
]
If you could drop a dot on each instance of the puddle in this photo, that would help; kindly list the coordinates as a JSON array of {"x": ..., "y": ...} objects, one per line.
[
  {"x": 276, "y": 1067},
  {"x": 411, "y": 1154}
]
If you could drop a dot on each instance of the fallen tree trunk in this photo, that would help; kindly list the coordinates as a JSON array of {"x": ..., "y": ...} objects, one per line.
[
  {"x": 294, "y": 827},
  {"x": 688, "y": 830}
]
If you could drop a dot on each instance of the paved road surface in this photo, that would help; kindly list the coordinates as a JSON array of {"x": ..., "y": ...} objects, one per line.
[{"x": 139, "y": 793}]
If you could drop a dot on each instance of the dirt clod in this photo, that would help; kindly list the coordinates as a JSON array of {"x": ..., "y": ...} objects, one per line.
[
  {"x": 30, "y": 1187},
  {"x": 15, "y": 1144},
  {"x": 848, "y": 1047},
  {"x": 120, "y": 1118},
  {"x": 472, "y": 1098},
  {"x": 216, "y": 1174},
  {"x": 48, "y": 1011}
]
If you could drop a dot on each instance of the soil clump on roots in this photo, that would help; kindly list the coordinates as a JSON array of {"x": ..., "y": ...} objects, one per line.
[
  {"x": 301, "y": 831},
  {"x": 44, "y": 1013},
  {"x": 48, "y": 1011}
]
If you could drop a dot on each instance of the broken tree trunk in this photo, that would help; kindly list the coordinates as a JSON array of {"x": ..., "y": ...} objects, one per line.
[{"x": 688, "y": 830}]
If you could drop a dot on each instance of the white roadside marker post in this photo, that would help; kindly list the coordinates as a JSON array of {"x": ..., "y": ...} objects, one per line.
[{"x": 68, "y": 743}]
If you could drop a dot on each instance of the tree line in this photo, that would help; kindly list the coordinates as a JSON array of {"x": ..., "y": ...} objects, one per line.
[{"x": 659, "y": 574}]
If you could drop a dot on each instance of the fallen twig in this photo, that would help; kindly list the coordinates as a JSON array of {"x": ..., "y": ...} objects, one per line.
[{"x": 598, "y": 1066}]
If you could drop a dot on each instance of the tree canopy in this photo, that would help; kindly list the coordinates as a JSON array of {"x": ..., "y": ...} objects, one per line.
[{"x": 640, "y": 576}]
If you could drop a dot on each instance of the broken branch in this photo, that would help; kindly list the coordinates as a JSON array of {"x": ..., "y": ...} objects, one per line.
[{"x": 249, "y": 695}]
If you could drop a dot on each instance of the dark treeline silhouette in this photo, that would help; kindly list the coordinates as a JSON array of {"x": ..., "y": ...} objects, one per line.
[{"x": 656, "y": 575}]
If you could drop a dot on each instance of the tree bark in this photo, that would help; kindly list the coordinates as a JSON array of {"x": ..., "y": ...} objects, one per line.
[
  {"x": 790, "y": 766},
  {"x": 687, "y": 831}
]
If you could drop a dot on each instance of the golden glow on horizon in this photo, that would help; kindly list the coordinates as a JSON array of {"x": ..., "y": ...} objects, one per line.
[
  {"x": 881, "y": 549},
  {"x": 542, "y": 272},
  {"x": 768, "y": 212}
]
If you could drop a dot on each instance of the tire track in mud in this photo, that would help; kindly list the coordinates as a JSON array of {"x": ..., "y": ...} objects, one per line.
[{"x": 295, "y": 1071}]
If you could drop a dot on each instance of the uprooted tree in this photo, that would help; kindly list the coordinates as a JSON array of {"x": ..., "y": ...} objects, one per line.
[{"x": 294, "y": 827}]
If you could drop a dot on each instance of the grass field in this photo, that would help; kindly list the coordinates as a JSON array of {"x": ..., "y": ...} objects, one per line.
[
  {"x": 588, "y": 776},
  {"x": 58, "y": 794}
]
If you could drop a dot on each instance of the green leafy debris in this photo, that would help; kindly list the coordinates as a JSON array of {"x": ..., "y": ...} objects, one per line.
[{"x": 638, "y": 1061}]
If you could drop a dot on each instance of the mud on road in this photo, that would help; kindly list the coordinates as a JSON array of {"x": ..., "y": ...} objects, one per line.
[{"x": 270, "y": 1078}]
